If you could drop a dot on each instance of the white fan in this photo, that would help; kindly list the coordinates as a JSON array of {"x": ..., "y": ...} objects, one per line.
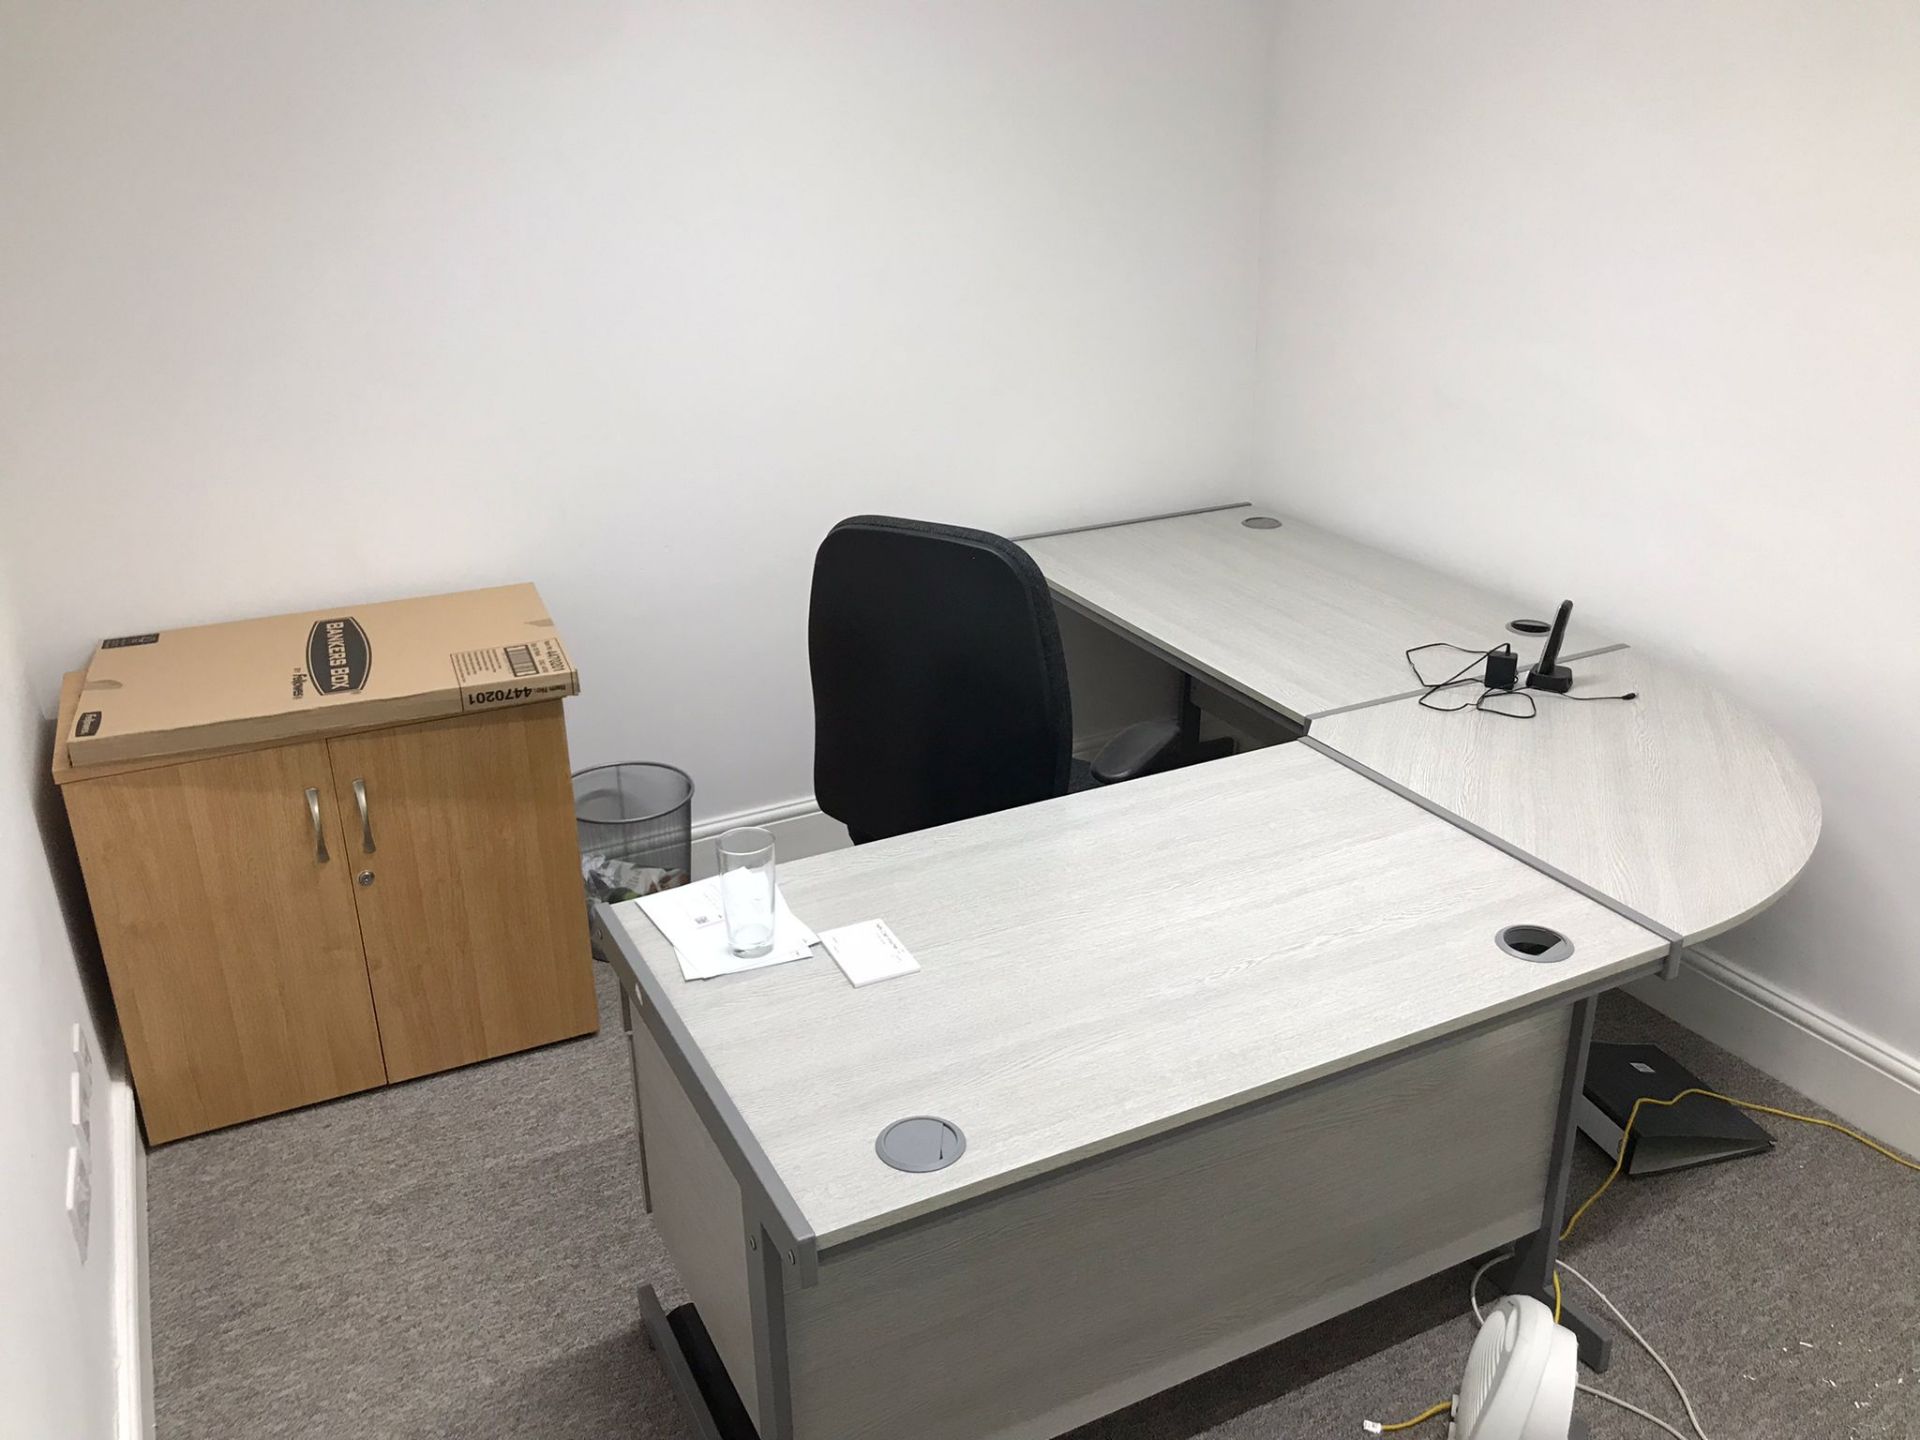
[{"x": 1520, "y": 1376}]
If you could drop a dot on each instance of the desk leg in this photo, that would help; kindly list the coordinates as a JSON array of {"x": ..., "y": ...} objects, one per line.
[
  {"x": 639, "y": 1120},
  {"x": 1192, "y": 748},
  {"x": 766, "y": 1290},
  {"x": 694, "y": 1369},
  {"x": 1531, "y": 1272},
  {"x": 698, "y": 1374},
  {"x": 1189, "y": 715}
]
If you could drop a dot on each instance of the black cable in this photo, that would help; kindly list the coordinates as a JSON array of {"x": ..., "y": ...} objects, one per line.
[
  {"x": 1464, "y": 676},
  {"x": 1478, "y": 655}
]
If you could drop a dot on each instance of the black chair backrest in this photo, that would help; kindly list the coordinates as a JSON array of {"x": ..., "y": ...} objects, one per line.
[{"x": 939, "y": 686}]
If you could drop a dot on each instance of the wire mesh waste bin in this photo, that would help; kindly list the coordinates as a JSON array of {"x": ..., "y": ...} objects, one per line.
[{"x": 635, "y": 822}]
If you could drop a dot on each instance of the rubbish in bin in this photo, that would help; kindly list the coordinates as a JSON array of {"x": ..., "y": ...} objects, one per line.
[
  {"x": 609, "y": 878},
  {"x": 635, "y": 823}
]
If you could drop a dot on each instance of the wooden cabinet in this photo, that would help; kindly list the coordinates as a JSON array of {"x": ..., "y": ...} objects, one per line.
[
  {"x": 289, "y": 924},
  {"x": 234, "y": 950},
  {"x": 464, "y": 817}
]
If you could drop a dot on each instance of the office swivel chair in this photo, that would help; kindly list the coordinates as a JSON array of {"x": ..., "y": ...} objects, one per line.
[{"x": 939, "y": 684}]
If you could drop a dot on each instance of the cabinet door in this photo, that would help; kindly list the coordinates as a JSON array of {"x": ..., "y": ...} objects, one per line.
[
  {"x": 469, "y": 895},
  {"x": 232, "y": 947}
]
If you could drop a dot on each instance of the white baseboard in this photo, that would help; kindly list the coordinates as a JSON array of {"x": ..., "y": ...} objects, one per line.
[
  {"x": 132, "y": 1327},
  {"x": 1861, "y": 1079},
  {"x": 799, "y": 830}
]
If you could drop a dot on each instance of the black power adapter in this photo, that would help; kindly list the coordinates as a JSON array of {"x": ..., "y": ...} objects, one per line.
[{"x": 1503, "y": 670}]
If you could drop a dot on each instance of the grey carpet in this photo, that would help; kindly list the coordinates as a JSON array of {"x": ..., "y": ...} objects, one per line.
[{"x": 458, "y": 1257}]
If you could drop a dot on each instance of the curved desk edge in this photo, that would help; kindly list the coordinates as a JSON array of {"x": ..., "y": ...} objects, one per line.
[
  {"x": 1780, "y": 785},
  {"x": 1506, "y": 847},
  {"x": 1721, "y": 927}
]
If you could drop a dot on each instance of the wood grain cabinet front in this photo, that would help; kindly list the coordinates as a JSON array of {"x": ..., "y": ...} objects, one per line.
[
  {"x": 293, "y": 923},
  {"x": 461, "y": 840},
  {"x": 224, "y": 904}
]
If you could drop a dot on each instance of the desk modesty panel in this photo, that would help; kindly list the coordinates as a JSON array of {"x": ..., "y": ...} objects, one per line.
[
  {"x": 1115, "y": 964},
  {"x": 1299, "y": 620},
  {"x": 1038, "y": 1307}
]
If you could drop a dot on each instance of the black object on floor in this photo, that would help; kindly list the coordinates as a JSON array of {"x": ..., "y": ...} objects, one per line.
[
  {"x": 687, "y": 1351},
  {"x": 1697, "y": 1131}
]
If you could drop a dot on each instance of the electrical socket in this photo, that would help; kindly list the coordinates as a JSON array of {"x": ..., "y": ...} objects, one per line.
[
  {"x": 80, "y": 1092},
  {"x": 80, "y": 1106},
  {"x": 79, "y": 1198}
]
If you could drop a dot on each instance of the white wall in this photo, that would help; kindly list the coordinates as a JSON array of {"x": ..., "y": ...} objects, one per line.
[
  {"x": 325, "y": 301},
  {"x": 1622, "y": 302},
  {"x": 58, "y": 1317},
  {"x": 632, "y": 298}
]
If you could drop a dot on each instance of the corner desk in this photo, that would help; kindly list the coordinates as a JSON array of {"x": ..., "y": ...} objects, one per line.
[{"x": 1224, "y": 1051}]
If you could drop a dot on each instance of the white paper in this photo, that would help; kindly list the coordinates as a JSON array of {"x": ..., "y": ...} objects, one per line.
[
  {"x": 692, "y": 920},
  {"x": 868, "y": 952}
]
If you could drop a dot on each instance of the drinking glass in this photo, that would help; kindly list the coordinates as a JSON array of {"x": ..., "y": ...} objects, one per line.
[{"x": 747, "y": 890}]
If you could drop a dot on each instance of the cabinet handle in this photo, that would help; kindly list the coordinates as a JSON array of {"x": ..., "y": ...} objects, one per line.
[
  {"x": 319, "y": 830},
  {"x": 366, "y": 821}
]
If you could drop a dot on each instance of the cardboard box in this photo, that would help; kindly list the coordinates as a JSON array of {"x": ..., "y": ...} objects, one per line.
[{"x": 253, "y": 682}]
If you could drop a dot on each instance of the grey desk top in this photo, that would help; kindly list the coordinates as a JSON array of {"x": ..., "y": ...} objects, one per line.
[
  {"x": 1681, "y": 804},
  {"x": 1301, "y": 620},
  {"x": 1108, "y": 966}
]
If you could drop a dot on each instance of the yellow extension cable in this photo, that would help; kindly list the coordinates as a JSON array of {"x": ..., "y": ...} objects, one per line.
[
  {"x": 1619, "y": 1163},
  {"x": 1445, "y": 1405},
  {"x": 1421, "y": 1418},
  {"x": 1620, "y": 1160}
]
